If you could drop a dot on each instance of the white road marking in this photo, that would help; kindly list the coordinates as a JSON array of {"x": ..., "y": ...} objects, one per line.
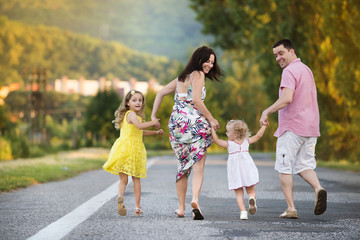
[{"x": 67, "y": 223}]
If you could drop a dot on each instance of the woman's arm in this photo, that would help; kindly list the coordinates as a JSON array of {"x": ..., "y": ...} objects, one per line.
[
  {"x": 198, "y": 81},
  {"x": 221, "y": 143},
  {"x": 132, "y": 118},
  {"x": 169, "y": 88},
  {"x": 151, "y": 132},
  {"x": 258, "y": 135}
]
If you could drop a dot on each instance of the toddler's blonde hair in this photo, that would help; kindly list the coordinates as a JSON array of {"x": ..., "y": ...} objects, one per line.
[
  {"x": 241, "y": 129},
  {"x": 123, "y": 108}
]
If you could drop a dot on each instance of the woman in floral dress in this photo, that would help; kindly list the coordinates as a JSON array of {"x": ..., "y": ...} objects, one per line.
[{"x": 190, "y": 123}]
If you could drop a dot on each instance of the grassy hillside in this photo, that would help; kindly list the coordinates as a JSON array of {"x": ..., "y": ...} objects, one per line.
[
  {"x": 60, "y": 52},
  {"x": 162, "y": 27}
]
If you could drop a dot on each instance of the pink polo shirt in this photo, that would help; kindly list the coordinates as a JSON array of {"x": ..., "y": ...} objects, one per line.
[{"x": 301, "y": 116}]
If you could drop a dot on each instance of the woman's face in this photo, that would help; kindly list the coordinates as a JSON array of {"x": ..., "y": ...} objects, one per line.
[{"x": 208, "y": 65}]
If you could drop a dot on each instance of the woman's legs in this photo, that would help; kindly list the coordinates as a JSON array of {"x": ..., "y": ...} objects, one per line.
[
  {"x": 137, "y": 191},
  {"x": 181, "y": 187},
  {"x": 197, "y": 181}
]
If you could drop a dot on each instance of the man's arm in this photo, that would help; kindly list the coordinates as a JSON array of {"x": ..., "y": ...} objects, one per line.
[{"x": 284, "y": 100}]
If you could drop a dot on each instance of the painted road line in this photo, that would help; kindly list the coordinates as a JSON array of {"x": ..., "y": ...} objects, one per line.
[{"x": 70, "y": 221}]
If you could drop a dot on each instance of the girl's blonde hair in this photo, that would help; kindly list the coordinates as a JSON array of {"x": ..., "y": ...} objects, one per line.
[
  {"x": 241, "y": 129},
  {"x": 123, "y": 108}
]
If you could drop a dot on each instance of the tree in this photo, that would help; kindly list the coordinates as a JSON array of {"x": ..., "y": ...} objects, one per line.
[
  {"x": 99, "y": 115},
  {"x": 326, "y": 38},
  {"x": 4, "y": 119}
]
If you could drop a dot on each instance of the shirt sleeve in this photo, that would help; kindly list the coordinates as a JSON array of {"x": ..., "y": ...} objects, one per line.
[{"x": 287, "y": 80}]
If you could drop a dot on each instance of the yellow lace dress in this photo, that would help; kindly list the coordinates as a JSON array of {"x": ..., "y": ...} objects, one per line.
[{"x": 128, "y": 153}]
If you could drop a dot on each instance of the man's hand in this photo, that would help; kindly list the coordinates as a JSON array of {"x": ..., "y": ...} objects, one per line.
[{"x": 264, "y": 121}]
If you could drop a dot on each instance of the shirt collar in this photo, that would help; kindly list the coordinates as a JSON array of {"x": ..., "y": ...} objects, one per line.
[{"x": 295, "y": 60}]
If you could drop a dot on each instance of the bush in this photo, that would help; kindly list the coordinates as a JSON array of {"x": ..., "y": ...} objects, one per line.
[
  {"x": 20, "y": 147},
  {"x": 5, "y": 150},
  {"x": 37, "y": 151}
]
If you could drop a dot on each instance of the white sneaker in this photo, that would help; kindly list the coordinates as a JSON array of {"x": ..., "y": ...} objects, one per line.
[{"x": 243, "y": 215}]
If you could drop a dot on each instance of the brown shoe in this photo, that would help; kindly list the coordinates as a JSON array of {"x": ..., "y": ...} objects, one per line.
[
  {"x": 320, "y": 202},
  {"x": 121, "y": 207},
  {"x": 252, "y": 206},
  {"x": 289, "y": 214}
]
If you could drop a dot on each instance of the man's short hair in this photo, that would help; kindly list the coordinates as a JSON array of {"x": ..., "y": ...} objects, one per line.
[{"x": 286, "y": 43}]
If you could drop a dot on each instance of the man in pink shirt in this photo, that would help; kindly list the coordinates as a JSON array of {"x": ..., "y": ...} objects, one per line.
[{"x": 298, "y": 116}]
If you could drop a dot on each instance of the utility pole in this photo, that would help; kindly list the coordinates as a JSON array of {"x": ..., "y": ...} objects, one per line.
[{"x": 37, "y": 106}]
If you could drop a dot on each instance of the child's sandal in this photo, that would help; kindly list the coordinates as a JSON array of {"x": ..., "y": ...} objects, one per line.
[
  {"x": 138, "y": 211},
  {"x": 121, "y": 206}
]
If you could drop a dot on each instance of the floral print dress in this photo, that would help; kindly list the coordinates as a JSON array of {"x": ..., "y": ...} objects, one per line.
[{"x": 190, "y": 133}]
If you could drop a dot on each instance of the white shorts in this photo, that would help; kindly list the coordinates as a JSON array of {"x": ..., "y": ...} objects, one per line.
[{"x": 294, "y": 153}]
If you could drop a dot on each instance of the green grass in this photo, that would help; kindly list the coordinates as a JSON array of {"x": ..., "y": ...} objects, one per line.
[
  {"x": 22, "y": 173},
  {"x": 24, "y": 176},
  {"x": 26, "y": 172},
  {"x": 340, "y": 165}
]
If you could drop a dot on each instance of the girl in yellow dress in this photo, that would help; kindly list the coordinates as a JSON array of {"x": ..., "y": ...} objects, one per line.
[{"x": 128, "y": 154}]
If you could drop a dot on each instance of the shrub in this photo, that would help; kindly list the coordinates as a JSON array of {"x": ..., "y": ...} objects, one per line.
[{"x": 5, "y": 150}]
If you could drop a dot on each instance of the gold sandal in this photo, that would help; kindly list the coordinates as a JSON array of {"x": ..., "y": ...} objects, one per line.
[
  {"x": 138, "y": 211},
  {"x": 121, "y": 206}
]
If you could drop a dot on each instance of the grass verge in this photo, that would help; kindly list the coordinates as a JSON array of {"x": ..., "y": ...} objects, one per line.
[
  {"x": 340, "y": 165},
  {"x": 22, "y": 173},
  {"x": 26, "y": 172}
]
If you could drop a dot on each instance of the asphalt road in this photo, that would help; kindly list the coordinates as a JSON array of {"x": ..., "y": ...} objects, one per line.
[{"x": 84, "y": 207}]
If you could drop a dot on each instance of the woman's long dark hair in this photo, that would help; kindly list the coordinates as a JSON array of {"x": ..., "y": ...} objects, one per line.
[{"x": 201, "y": 55}]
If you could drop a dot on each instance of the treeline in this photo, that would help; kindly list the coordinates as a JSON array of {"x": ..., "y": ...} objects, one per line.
[
  {"x": 161, "y": 27},
  {"x": 326, "y": 38},
  {"x": 60, "y": 52}
]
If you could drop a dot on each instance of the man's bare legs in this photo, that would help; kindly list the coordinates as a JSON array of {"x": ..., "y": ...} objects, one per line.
[
  {"x": 287, "y": 185},
  {"x": 311, "y": 178}
]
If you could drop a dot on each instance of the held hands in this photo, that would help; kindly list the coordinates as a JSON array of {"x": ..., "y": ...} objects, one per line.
[
  {"x": 156, "y": 122},
  {"x": 214, "y": 124},
  {"x": 160, "y": 132},
  {"x": 264, "y": 121}
]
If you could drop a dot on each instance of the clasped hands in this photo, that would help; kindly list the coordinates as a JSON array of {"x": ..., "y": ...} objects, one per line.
[{"x": 264, "y": 121}]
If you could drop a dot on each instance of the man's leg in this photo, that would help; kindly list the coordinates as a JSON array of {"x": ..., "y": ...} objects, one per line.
[
  {"x": 287, "y": 185},
  {"x": 311, "y": 178}
]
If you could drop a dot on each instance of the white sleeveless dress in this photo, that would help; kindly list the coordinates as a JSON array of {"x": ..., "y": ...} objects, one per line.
[{"x": 241, "y": 169}]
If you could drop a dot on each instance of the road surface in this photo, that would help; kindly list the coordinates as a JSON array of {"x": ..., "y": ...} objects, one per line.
[{"x": 84, "y": 207}]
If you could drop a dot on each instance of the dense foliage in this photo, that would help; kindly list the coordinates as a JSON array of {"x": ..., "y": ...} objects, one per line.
[
  {"x": 24, "y": 47},
  {"x": 162, "y": 27},
  {"x": 326, "y": 37},
  {"x": 99, "y": 116}
]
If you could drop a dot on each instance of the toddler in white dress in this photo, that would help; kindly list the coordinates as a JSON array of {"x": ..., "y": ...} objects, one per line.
[{"x": 241, "y": 169}]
